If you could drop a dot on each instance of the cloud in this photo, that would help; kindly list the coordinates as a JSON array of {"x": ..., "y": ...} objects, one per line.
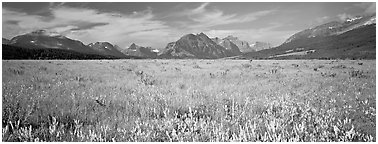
[
  {"x": 140, "y": 27},
  {"x": 63, "y": 28},
  {"x": 56, "y": 4},
  {"x": 266, "y": 34},
  {"x": 202, "y": 17},
  {"x": 344, "y": 16},
  {"x": 15, "y": 23},
  {"x": 89, "y": 25},
  {"x": 368, "y": 7},
  {"x": 322, "y": 19}
]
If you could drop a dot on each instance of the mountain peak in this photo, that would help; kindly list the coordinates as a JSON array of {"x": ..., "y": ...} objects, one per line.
[
  {"x": 101, "y": 43},
  {"x": 188, "y": 36},
  {"x": 133, "y": 46},
  {"x": 140, "y": 51},
  {"x": 106, "y": 48},
  {"x": 194, "y": 46},
  {"x": 104, "y": 43},
  {"x": 201, "y": 34},
  {"x": 243, "y": 46},
  {"x": 333, "y": 28}
]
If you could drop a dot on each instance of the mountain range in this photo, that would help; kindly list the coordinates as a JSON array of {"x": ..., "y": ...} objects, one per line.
[
  {"x": 52, "y": 44},
  {"x": 228, "y": 44},
  {"x": 242, "y": 45},
  {"x": 140, "y": 51},
  {"x": 106, "y": 48},
  {"x": 352, "y": 38}
]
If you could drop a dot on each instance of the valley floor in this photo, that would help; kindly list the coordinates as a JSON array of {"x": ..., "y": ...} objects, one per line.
[{"x": 189, "y": 100}]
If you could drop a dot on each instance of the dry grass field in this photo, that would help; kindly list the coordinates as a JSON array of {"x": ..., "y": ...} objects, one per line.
[{"x": 189, "y": 100}]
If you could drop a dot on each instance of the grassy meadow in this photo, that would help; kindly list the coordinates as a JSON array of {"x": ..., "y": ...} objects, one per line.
[{"x": 189, "y": 100}]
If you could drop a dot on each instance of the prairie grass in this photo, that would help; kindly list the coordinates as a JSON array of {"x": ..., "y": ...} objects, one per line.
[{"x": 189, "y": 100}]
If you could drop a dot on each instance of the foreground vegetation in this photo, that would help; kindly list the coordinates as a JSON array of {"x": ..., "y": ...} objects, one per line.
[{"x": 189, "y": 100}]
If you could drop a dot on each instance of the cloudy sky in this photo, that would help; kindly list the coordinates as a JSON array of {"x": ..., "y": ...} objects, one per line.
[{"x": 156, "y": 24}]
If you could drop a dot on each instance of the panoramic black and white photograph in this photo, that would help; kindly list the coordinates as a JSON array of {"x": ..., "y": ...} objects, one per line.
[{"x": 188, "y": 71}]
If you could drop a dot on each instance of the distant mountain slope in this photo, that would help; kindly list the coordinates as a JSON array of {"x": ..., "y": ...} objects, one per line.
[
  {"x": 333, "y": 28},
  {"x": 358, "y": 43},
  {"x": 43, "y": 39},
  {"x": 228, "y": 45},
  {"x": 5, "y": 41},
  {"x": 257, "y": 46},
  {"x": 46, "y": 39},
  {"x": 144, "y": 52},
  {"x": 194, "y": 46},
  {"x": 106, "y": 48},
  {"x": 14, "y": 52},
  {"x": 242, "y": 45},
  {"x": 354, "y": 38},
  {"x": 118, "y": 48}
]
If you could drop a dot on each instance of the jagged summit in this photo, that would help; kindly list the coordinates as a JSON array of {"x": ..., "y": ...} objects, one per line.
[
  {"x": 133, "y": 46},
  {"x": 106, "y": 48},
  {"x": 194, "y": 46},
  {"x": 140, "y": 51},
  {"x": 101, "y": 43},
  {"x": 242, "y": 45},
  {"x": 202, "y": 34}
]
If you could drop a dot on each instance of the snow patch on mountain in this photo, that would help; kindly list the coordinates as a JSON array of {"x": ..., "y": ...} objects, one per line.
[
  {"x": 334, "y": 28},
  {"x": 353, "y": 19},
  {"x": 371, "y": 21},
  {"x": 257, "y": 46}
]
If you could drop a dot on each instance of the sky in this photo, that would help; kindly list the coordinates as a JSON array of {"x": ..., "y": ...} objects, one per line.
[{"x": 155, "y": 24}]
